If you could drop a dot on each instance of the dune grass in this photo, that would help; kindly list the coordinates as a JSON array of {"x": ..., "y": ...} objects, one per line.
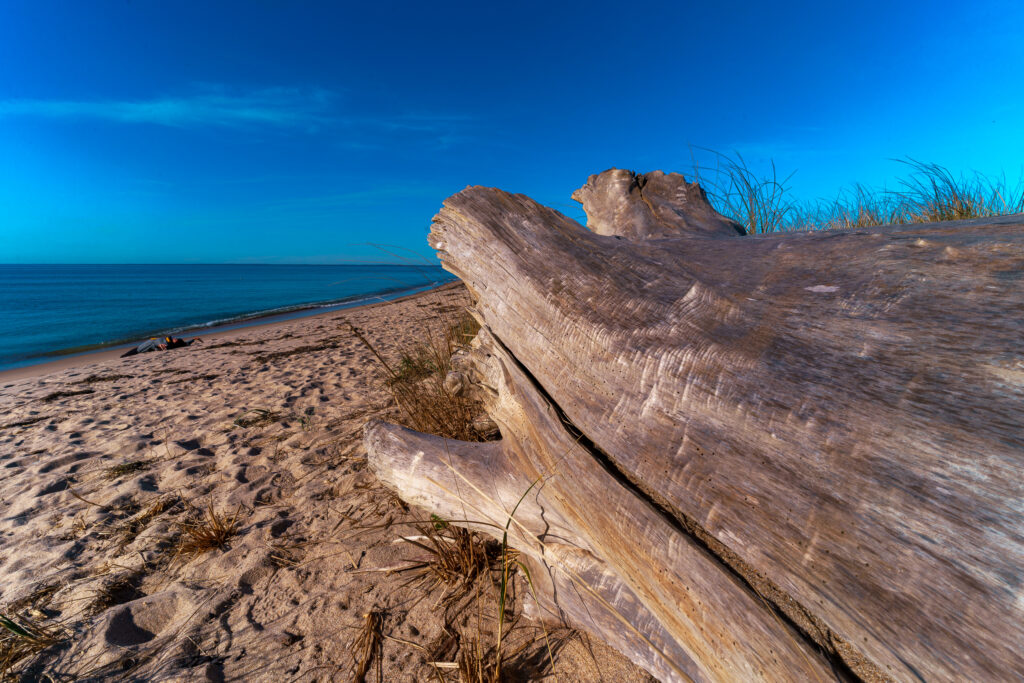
[
  {"x": 457, "y": 557},
  {"x": 208, "y": 530},
  {"x": 368, "y": 647},
  {"x": 50, "y": 398},
  {"x": 257, "y": 417},
  {"x": 127, "y": 468},
  {"x": 925, "y": 193},
  {"x": 416, "y": 380},
  {"x": 459, "y": 561},
  {"x": 759, "y": 203},
  {"x": 21, "y": 639},
  {"x": 466, "y": 563}
]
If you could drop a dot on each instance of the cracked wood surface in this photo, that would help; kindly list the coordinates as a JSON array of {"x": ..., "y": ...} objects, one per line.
[
  {"x": 834, "y": 416},
  {"x": 605, "y": 560}
]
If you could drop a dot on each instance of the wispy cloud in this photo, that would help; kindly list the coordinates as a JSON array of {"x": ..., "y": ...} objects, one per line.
[
  {"x": 309, "y": 110},
  {"x": 280, "y": 107},
  {"x": 437, "y": 131}
]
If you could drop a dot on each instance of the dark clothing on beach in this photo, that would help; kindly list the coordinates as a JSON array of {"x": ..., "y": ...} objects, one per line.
[
  {"x": 148, "y": 345},
  {"x": 155, "y": 344}
]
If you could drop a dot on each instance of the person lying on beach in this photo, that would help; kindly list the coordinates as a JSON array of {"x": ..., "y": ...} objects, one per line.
[{"x": 155, "y": 344}]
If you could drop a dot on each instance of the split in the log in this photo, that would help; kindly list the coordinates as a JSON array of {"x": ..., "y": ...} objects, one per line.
[{"x": 830, "y": 420}]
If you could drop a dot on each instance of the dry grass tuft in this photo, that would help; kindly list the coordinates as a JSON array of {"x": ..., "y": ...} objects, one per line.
[
  {"x": 477, "y": 664},
  {"x": 927, "y": 193},
  {"x": 208, "y": 530},
  {"x": 416, "y": 381},
  {"x": 239, "y": 342},
  {"x": 50, "y": 398},
  {"x": 133, "y": 526},
  {"x": 127, "y": 468},
  {"x": 283, "y": 554},
  {"x": 170, "y": 371},
  {"x": 368, "y": 647},
  {"x": 194, "y": 379},
  {"x": 37, "y": 599},
  {"x": 117, "y": 591},
  {"x": 257, "y": 417},
  {"x": 25, "y": 423},
  {"x": 457, "y": 557},
  {"x": 328, "y": 343},
  {"x": 93, "y": 379},
  {"x": 21, "y": 638}
]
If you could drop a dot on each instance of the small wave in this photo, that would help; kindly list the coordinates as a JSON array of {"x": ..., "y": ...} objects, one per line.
[
  {"x": 231, "y": 322},
  {"x": 346, "y": 302}
]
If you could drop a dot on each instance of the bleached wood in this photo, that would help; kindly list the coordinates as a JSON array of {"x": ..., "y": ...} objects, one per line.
[
  {"x": 617, "y": 567},
  {"x": 837, "y": 416}
]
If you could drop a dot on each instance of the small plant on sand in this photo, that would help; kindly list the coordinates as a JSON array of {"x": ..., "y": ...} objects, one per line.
[
  {"x": 457, "y": 556},
  {"x": 25, "y": 423},
  {"x": 134, "y": 525},
  {"x": 116, "y": 591},
  {"x": 21, "y": 638},
  {"x": 308, "y": 418},
  {"x": 195, "y": 378},
  {"x": 508, "y": 556},
  {"x": 50, "y": 398},
  {"x": 126, "y": 468},
  {"x": 416, "y": 382},
  {"x": 208, "y": 530},
  {"x": 368, "y": 645},
  {"x": 131, "y": 527},
  {"x": 323, "y": 345},
  {"x": 93, "y": 379},
  {"x": 257, "y": 417}
]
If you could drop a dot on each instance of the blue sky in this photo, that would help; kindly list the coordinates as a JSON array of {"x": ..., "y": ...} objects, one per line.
[{"x": 273, "y": 131}]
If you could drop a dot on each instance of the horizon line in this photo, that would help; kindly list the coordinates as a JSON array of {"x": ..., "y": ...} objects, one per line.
[{"x": 222, "y": 263}]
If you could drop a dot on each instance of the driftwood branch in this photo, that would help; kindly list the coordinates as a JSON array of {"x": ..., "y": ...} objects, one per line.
[{"x": 784, "y": 457}]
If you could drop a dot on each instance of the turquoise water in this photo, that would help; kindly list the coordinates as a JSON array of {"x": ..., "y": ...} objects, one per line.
[{"x": 52, "y": 310}]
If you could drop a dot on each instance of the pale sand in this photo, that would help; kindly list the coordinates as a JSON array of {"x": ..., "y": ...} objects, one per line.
[{"x": 285, "y": 600}]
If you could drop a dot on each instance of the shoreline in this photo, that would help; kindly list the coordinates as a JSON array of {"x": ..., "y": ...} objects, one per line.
[
  {"x": 66, "y": 362},
  {"x": 116, "y": 472}
]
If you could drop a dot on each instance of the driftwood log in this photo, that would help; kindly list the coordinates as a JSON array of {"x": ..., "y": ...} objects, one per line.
[{"x": 786, "y": 457}]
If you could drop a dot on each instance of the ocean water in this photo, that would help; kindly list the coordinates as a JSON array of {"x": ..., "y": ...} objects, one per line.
[{"x": 52, "y": 310}]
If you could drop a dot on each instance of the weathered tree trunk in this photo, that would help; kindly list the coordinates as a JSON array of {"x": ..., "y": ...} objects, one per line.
[{"x": 785, "y": 457}]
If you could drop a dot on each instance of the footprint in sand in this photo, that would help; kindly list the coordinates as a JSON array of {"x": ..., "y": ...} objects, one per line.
[{"x": 142, "y": 620}]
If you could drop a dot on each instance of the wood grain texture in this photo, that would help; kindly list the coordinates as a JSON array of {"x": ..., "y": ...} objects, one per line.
[
  {"x": 603, "y": 557},
  {"x": 836, "y": 415},
  {"x": 650, "y": 206}
]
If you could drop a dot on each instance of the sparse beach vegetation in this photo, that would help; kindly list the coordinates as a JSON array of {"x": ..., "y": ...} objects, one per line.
[
  {"x": 22, "y": 638},
  {"x": 93, "y": 379},
  {"x": 56, "y": 395},
  {"x": 416, "y": 379},
  {"x": 295, "y": 508},
  {"x": 926, "y": 192},
  {"x": 25, "y": 422},
  {"x": 471, "y": 571},
  {"x": 207, "y": 530},
  {"x": 257, "y": 417},
  {"x": 127, "y": 468}
]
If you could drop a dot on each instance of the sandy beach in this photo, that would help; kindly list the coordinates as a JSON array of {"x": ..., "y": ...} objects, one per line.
[{"x": 108, "y": 463}]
